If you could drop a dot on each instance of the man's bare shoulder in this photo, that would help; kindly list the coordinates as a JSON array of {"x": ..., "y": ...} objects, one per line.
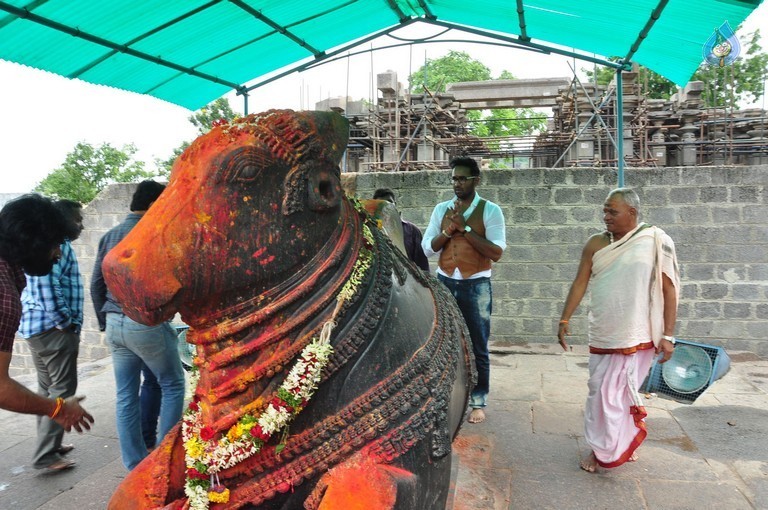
[{"x": 596, "y": 242}]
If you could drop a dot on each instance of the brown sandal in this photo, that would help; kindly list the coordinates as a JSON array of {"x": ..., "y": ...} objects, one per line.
[{"x": 60, "y": 465}]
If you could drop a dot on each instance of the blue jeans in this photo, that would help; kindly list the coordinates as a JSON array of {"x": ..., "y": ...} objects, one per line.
[
  {"x": 475, "y": 301},
  {"x": 150, "y": 396},
  {"x": 134, "y": 345}
]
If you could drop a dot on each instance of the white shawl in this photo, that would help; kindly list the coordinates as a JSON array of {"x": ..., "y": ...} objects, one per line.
[{"x": 627, "y": 305}]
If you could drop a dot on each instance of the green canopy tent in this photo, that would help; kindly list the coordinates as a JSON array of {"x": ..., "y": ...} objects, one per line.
[{"x": 191, "y": 52}]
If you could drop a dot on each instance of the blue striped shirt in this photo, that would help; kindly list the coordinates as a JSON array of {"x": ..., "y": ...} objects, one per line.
[{"x": 54, "y": 300}]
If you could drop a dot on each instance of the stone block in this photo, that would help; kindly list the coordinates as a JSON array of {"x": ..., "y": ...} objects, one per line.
[
  {"x": 683, "y": 195},
  {"x": 538, "y": 196},
  {"x": 749, "y": 254},
  {"x": 554, "y": 216},
  {"x": 754, "y": 213},
  {"x": 497, "y": 178},
  {"x": 715, "y": 194},
  {"x": 542, "y": 235},
  {"x": 525, "y": 215},
  {"x": 696, "y": 215},
  {"x": 748, "y": 292},
  {"x": 586, "y": 176},
  {"x": 726, "y": 214},
  {"x": 584, "y": 215},
  {"x": 552, "y": 290},
  {"x": 697, "y": 328},
  {"x": 661, "y": 216},
  {"x": 594, "y": 196},
  {"x": 696, "y": 175},
  {"x": 757, "y": 272},
  {"x": 737, "y": 310},
  {"x": 728, "y": 329},
  {"x": 683, "y": 310},
  {"x": 550, "y": 253},
  {"x": 517, "y": 235},
  {"x": 528, "y": 177},
  {"x": 746, "y": 194},
  {"x": 555, "y": 176},
  {"x": 708, "y": 310},
  {"x": 711, "y": 291},
  {"x": 510, "y": 196},
  {"x": 541, "y": 308},
  {"x": 568, "y": 196},
  {"x": 518, "y": 253}
]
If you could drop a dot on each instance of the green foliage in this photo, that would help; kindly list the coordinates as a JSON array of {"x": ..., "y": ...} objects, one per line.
[
  {"x": 203, "y": 120},
  {"x": 458, "y": 66},
  {"x": 87, "y": 170},
  {"x": 744, "y": 79},
  {"x": 510, "y": 122}
]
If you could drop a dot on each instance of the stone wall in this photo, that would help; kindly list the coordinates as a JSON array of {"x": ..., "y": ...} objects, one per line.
[{"x": 716, "y": 215}]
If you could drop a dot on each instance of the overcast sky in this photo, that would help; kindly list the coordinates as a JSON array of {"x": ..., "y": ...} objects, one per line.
[{"x": 44, "y": 115}]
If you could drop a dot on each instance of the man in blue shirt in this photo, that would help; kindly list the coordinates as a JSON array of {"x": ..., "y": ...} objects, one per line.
[
  {"x": 52, "y": 315},
  {"x": 134, "y": 346}
]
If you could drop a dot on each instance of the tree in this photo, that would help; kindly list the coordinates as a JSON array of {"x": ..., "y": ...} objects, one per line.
[
  {"x": 218, "y": 110},
  {"x": 455, "y": 67},
  {"x": 743, "y": 79},
  {"x": 458, "y": 66},
  {"x": 87, "y": 170},
  {"x": 203, "y": 120}
]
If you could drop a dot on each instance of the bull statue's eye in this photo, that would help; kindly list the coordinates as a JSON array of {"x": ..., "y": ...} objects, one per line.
[
  {"x": 247, "y": 173},
  {"x": 243, "y": 164}
]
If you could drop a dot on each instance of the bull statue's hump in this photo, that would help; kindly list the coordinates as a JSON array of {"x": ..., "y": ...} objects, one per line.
[{"x": 329, "y": 368}]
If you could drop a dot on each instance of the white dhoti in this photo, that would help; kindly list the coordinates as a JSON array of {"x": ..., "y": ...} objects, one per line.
[{"x": 614, "y": 414}]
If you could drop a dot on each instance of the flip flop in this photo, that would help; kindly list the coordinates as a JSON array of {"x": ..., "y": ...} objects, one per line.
[
  {"x": 65, "y": 448},
  {"x": 60, "y": 465}
]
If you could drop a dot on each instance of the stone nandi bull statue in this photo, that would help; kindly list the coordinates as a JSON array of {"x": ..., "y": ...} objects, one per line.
[{"x": 332, "y": 372}]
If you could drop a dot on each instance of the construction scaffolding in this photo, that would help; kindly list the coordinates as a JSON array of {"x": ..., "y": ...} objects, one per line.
[{"x": 405, "y": 131}]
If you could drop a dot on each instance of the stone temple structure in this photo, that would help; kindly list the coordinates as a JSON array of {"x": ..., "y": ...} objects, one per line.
[{"x": 420, "y": 131}]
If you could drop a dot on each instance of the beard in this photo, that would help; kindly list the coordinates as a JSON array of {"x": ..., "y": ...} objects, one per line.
[{"x": 38, "y": 266}]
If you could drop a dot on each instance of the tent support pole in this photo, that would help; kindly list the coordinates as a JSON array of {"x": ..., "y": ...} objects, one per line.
[{"x": 620, "y": 126}]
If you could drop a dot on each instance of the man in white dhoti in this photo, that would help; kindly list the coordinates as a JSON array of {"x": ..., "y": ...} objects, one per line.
[{"x": 634, "y": 280}]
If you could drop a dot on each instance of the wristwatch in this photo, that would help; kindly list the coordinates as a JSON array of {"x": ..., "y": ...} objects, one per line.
[
  {"x": 467, "y": 229},
  {"x": 669, "y": 339}
]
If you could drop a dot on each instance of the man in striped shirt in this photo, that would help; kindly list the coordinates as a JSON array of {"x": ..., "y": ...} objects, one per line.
[{"x": 52, "y": 316}]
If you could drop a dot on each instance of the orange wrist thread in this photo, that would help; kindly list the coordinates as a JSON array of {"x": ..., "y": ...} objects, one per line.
[{"x": 57, "y": 410}]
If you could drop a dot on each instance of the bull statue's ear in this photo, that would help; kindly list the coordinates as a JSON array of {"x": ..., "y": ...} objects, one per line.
[{"x": 323, "y": 190}]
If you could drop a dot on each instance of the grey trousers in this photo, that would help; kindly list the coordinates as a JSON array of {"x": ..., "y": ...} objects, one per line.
[{"x": 55, "y": 355}]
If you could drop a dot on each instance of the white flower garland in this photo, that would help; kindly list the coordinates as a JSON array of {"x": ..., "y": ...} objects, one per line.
[{"x": 206, "y": 457}]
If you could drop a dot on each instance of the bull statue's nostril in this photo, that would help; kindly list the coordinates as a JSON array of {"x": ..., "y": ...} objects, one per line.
[{"x": 127, "y": 254}]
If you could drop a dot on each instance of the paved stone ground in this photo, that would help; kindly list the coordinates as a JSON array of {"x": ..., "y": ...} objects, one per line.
[
  {"x": 712, "y": 454},
  {"x": 709, "y": 454}
]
